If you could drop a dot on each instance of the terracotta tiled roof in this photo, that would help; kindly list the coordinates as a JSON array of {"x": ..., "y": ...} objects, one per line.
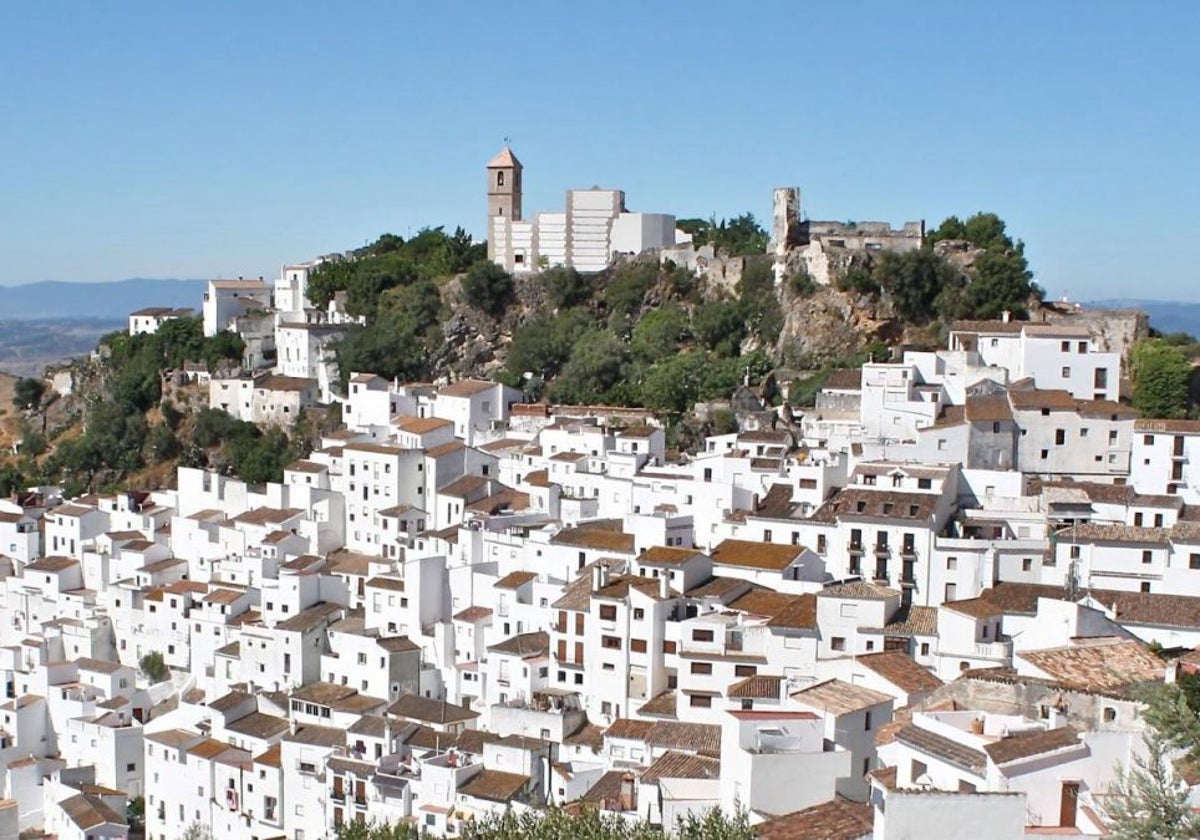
[
  {"x": 495, "y": 785},
  {"x": 637, "y": 730},
  {"x": 427, "y": 710},
  {"x": 840, "y": 698},
  {"x": 267, "y": 516},
  {"x": 756, "y": 555},
  {"x": 838, "y": 819},
  {"x": 473, "y": 615},
  {"x": 913, "y": 621},
  {"x": 515, "y": 580},
  {"x": 782, "y": 610},
  {"x": 664, "y": 556},
  {"x": 988, "y": 327},
  {"x": 504, "y": 160},
  {"x": 704, "y": 738},
  {"x": 525, "y": 645},
  {"x": 901, "y": 670},
  {"x": 662, "y": 704},
  {"x": 988, "y": 409},
  {"x": 1091, "y": 532},
  {"x": 974, "y": 607},
  {"x": 758, "y": 687},
  {"x": 941, "y": 747},
  {"x": 681, "y": 765},
  {"x": 599, "y": 538},
  {"x": 877, "y": 504},
  {"x": 1035, "y": 400},
  {"x": 607, "y": 789},
  {"x": 1098, "y": 664},
  {"x": 465, "y": 388},
  {"x": 1178, "y": 427},
  {"x": 858, "y": 590},
  {"x": 844, "y": 379},
  {"x": 1028, "y": 744}
]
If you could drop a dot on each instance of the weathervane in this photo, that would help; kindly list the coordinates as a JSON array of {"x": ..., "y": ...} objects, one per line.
[{"x": 507, "y": 140}]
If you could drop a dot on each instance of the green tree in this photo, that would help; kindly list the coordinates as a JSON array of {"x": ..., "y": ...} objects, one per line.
[
  {"x": 659, "y": 333},
  {"x": 914, "y": 280},
  {"x": 488, "y": 287},
  {"x": 1160, "y": 374},
  {"x": 627, "y": 285},
  {"x": 999, "y": 279},
  {"x": 1149, "y": 801},
  {"x": 565, "y": 287},
  {"x": 154, "y": 667},
  {"x": 162, "y": 444},
  {"x": 28, "y": 393},
  {"x": 558, "y": 824},
  {"x": 759, "y": 301},
  {"x": 737, "y": 237},
  {"x": 597, "y": 364},
  {"x": 543, "y": 344},
  {"x": 720, "y": 326}
]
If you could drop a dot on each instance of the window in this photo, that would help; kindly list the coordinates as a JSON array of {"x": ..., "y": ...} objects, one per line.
[
  {"x": 610, "y": 642},
  {"x": 1060, "y": 437},
  {"x": 1194, "y": 561},
  {"x": 500, "y": 179},
  {"x": 1065, "y": 347},
  {"x": 638, "y": 614},
  {"x": 702, "y": 635},
  {"x": 837, "y": 643},
  {"x": 924, "y": 648},
  {"x": 1075, "y": 550},
  {"x": 702, "y": 668},
  {"x": 608, "y": 612},
  {"x": 918, "y": 769},
  {"x": 767, "y": 535},
  {"x": 700, "y": 701},
  {"x": 951, "y": 564},
  {"x": 820, "y": 543},
  {"x": 1045, "y": 454},
  {"x": 1145, "y": 586},
  {"x": 637, "y": 645},
  {"x": 745, "y": 670},
  {"x": 1101, "y": 378},
  {"x": 1110, "y": 714},
  {"x": 867, "y": 721},
  {"x": 1066, "y": 373},
  {"x": 941, "y": 444},
  {"x": 1148, "y": 440},
  {"x": 1147, "y": 556}
]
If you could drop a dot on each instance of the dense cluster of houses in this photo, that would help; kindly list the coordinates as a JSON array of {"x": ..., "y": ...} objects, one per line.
[{"x": 922, "y": 608}]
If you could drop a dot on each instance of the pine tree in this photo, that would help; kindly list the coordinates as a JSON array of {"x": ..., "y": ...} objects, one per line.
[{"x": 1149, "y": 801}]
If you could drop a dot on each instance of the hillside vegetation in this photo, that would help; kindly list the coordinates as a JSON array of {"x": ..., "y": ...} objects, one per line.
[
  {"x": 117, "y": 427},
  {"x": 638, "y": 334}
]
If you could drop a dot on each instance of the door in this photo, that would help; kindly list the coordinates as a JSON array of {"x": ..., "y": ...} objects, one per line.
[{"x": 1070, "y": 800}]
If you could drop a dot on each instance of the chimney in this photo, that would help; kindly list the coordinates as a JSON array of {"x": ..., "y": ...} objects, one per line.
[
  {"x": 1006, "y": 316},
  {"x": 599, "y": 576},
  {"x": 628, "y": 793},
  {"x": 664, "y": 586}
]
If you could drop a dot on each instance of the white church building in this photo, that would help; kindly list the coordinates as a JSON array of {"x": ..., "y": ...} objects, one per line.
[{"x": 594, "y": 228}]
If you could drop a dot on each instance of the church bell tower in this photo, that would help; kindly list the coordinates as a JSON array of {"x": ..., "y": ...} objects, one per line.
[{"x": 504, "y": 192}]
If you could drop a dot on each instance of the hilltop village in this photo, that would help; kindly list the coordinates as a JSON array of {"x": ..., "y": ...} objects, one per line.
[{"x": 924, "y": 607}]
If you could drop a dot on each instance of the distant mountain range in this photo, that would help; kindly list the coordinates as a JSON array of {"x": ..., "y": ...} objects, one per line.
[
  {"x": 1166, "y": 316},
  {"x": 96, "y": 301}
]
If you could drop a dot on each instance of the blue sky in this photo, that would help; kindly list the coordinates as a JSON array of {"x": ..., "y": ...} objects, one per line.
[{"x": 195, "y": 140}]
